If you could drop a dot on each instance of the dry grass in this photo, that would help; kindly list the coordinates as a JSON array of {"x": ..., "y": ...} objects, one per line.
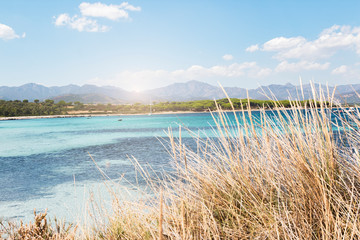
[
  {"x": 285, "y": 177},
  {"x": 292, "y": 176},
  {"x": 40, "y": 229}
]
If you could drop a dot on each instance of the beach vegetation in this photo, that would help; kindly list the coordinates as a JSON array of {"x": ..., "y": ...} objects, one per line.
[
  {"x": 41, "y": 228},
  {"x": 179, "y": 106},
  {"x": 49, "y": 107},
  {"x": 291, "y": 174},
  {"x": 294, "y": 174},
  {"x": 26, "y": 108}
]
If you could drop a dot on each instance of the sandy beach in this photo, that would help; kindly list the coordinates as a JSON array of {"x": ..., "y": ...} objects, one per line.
[
  {"x": 88, "y": 115},
  {"x": 40, "y": 117}
]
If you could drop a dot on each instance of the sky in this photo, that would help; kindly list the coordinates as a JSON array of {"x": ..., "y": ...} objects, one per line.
[{"x": 145, "y": 44}]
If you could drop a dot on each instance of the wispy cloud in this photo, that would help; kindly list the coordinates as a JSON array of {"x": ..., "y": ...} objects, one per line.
[
  {"x": 80, "y": 23},
  {"x": 90, "y": 11},
  {"x": 112, "y": 12},
  {"x": 7, "y": 33},
  {"x": 326, "y": 45},
  {"x": 285, "y": 66},
  {"x": 228, "y": 57},
  {"x": 252, "y": 48},
  {"x": 351, "y": 71},
  {"x": 283, "y": 44},
  {"x": 147, "y": 79},
  {"x": 340, "y": 70}
]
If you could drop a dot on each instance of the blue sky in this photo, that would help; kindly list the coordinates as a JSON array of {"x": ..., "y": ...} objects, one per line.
[{"x": 140, "y": 45}]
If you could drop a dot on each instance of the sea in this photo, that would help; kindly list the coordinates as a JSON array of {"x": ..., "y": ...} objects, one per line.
[
  {"x": 58, "y": 164},
  {"x": 62, "y": 164}
]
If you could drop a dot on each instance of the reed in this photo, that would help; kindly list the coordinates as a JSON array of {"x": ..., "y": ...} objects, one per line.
[
  {"x": 292, "y": 175},
  {"x": 41, "y": 228}
]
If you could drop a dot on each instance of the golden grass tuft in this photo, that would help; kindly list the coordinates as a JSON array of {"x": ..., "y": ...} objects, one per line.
[
  {"x": 292, "y": 175},
  {"x": 40, "y": 229}
]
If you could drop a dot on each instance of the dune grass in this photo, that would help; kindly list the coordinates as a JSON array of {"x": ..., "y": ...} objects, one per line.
[
  {"x": 292, "y": 176},
  {"x": 41, "y": 228}
]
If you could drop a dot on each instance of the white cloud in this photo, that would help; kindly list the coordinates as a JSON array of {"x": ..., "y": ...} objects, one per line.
[
  {"x": 263, "y": 72},
  {"x": 82, "y": 24},
  {"x": 233, "y": 70},
  {"x": 329, "y": 42},
  {"x": 285, "y": 66},
  {"x": 112, "y": 12},
  {"x": 147, "y": 79},
  {"x": 340, "y": 70},
  {"x": 282, "y": 43},
  {"x": 7, "y": 33},
  {"x": 62, "y": 19},
  {"x": 127, "y": 6},
  {"x": 348, "y": 72},
  {"x": 86, "y": 22},
  {"x": 252, "y": 48},
  {"x": 228, "y": 57}
]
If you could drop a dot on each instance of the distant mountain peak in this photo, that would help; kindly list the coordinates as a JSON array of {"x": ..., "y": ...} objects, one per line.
[
  {"x": 181, "y": 91},
  {"x": 32, "y": 85},
  {"x": 195, "y": 81},
  {"x": 198, "y": 83}
]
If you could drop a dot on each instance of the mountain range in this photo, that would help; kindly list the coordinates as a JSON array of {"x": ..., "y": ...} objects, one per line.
[{"x": 191, "y": 90}]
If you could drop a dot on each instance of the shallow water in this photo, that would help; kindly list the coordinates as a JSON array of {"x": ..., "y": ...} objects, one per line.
[{"x": 45, "y": 163}]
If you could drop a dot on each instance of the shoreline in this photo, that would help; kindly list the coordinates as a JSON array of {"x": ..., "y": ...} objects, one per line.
[
  {"x": 41, "y": 117},
  {"x": 90, "y": 115},
  {"x": 108, "y": 114}
]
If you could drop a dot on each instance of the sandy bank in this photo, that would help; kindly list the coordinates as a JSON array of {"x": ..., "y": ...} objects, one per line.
[
  {"x": 40, "y": 117},
  {"x": 88, "y": 115}
]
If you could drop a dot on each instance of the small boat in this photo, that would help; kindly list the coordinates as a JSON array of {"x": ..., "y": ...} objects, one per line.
[{"x": 120, "y": 119}]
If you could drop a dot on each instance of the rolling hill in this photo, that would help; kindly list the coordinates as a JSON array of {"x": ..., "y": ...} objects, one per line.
[{"x": 192, "y": 90}]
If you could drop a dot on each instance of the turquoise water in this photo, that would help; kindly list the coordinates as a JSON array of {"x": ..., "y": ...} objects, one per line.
[
  {"x": 45, "y": 163},
  {"x": 26, "y": 137}
]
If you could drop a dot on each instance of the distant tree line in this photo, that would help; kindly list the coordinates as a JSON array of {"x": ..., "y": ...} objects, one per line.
[
  {"x": 36, "y": 108},
  {"x": 49, "y": 107},
  {"x": 205, "y": 105}
]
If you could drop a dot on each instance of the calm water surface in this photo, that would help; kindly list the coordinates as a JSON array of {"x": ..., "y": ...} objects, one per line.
[{"x": 45, "y": 163}]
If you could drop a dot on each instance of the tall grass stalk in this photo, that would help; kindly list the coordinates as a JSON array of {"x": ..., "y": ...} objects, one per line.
[{"x": 293, "y": 176}]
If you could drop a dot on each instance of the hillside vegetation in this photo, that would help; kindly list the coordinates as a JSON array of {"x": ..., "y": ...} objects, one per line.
[
  {"x": 49, "y": 107},
  {"x": 26, "y": 108}
]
